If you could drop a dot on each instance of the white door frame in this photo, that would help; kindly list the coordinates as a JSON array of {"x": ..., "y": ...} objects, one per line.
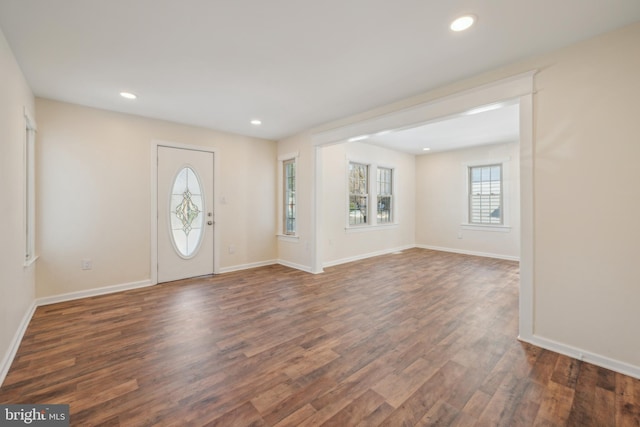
[{"x": 154, "y": 203}]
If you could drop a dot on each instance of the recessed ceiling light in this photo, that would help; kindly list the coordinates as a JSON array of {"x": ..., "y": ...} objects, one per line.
[
  {"x": 128, "y": 95},
  {"x": 462, "y": 23},
  {"x": 426, "y": 149},
  {"x": 358, "y": 138},
  {"x": 256, "y": 122}
]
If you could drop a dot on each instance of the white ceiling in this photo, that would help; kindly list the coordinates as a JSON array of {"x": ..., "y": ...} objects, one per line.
[
  {"x": 452, "y": 133},
  {"x": 292, "y": 63}
]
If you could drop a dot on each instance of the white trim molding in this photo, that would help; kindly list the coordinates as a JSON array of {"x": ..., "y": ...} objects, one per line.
[
  {"x": 296, "y": 266},
  {"x": 583, "y": 355},
  {"x": 465, "y": 252},
  {"x": 105, "y": 290},
  {"x": 370, "y": 227},
  {"x": 527, "y": 264},
  {"x": 7, "y": 360},
  {"x": 367, "y": 255},
  {"x": 240, "y": 267},
  {"x": 292, "y": 238},
  {"x": 487, "y": 227}
]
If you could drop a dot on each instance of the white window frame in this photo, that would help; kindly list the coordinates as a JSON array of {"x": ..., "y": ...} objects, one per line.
[
  {"x": 372, "y": 223},
  {"x": 282, "y": 160},
  {"x": 490, "y": 195},
  {"x": 391, "y": 195},
  {"x": 367, "y": 194},
  {"x": 30, "y": 255},
  {"x": 287, "y": 197},
  {"x": 505, "y": 227}
]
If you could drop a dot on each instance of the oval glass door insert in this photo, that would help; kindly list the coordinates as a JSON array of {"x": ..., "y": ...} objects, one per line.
[{"x": 186, "y": 215}]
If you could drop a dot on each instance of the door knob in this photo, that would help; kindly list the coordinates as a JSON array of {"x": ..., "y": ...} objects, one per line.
[{"x": 209, "y": 222}]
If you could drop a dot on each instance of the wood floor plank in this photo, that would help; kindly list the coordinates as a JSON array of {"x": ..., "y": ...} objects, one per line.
[
  {"x": 420, "y": 338},
  {"x": 440, "y": 414},
  {"x": 356, "y": 411},
  {"x": 627, "y": 401},
  {"x": 243, "y": 415},
  {"x": 476, "y": 404},
  {"x": 396, "y": 388},
  {"x": 422, "y": 400},
  {"x": 502, "y": 407},
  {"x": 557, "y": 404},
  {"x": 299, "y": 416}
]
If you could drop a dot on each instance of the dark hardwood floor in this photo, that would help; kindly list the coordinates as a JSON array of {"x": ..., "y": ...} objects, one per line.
[{"x": 420, "y": 338}]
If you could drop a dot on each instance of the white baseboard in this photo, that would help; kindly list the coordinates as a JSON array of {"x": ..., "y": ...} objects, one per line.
[
  {"x": 246, "y": 266},
  {"x": 584, "y": 355},
  {"x": 300, "y": 267},
  {"x": 15, "y": 342},
  {"x": 365, "y": 256},
  {"x": 465, "y": 252},
  {"x": 92, "y": 292}
]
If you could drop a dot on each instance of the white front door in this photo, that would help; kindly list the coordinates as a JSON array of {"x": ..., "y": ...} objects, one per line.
[{"x": 185, "y": 213}]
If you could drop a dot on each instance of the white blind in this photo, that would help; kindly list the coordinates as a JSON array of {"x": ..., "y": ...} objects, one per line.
[{"x": 485, "y": 194}]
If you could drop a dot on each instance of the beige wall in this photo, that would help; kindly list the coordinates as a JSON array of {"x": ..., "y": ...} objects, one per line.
[
  {"x": 16, "y": 281},
  {"x": 95, "y": 195},
  {"x": 442, "y": 205},
  {"x": 340, "y": 244},
  {"x": 587, "y": 233}
]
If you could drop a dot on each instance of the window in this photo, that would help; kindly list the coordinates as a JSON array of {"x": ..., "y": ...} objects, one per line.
[
  {"x": 289, "y": 209},
  {"x": 358, "y": 193},
  {"x": 485, "y": 195},
  {"x": 385, "y": 195},
  {"x": 287, "y": 197},
  {"x": 29, "y": 185}
]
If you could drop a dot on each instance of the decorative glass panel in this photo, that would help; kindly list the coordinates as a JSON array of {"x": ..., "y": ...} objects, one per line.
[{"x": 187, "y": 219}]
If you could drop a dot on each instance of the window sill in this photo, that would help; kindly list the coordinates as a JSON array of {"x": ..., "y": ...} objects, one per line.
[
  {"x": 362, "y": 228},
  {"x": 488, "y": 227},
  {"x": 288, "y": 238},
  {"x": 28, "y": 263}
]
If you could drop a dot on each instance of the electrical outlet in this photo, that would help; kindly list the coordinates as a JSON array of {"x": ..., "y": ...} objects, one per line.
[
  {"x": 459, "y": 234},
  {"x": 232, "y": 249},
  {"x": 86, "y": 264}
]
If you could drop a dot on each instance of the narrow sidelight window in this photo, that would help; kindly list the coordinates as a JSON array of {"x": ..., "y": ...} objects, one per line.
[
  {"x": 358, "y": 193},
  {"x": 289, "y": 179},
  {"x": 385, "y": 195}
]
